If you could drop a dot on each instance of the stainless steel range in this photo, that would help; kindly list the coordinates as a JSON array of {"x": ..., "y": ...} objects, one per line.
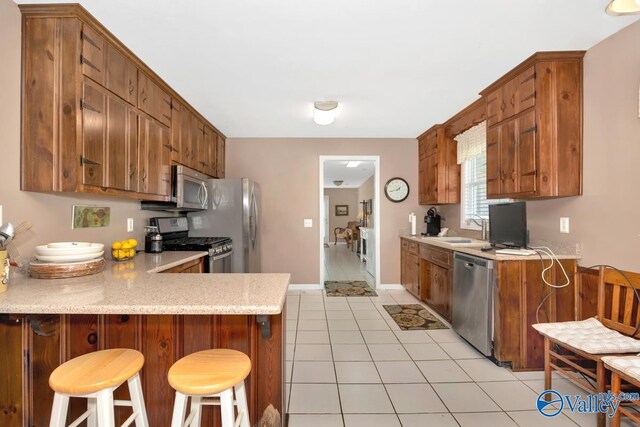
[{"x": 175, "y": 237}]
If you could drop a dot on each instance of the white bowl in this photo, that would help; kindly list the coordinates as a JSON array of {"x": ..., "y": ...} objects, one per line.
[
  {"x": 68, "y": 244},
  {"x": 69, "y": 258},
  {"x": 71, "y": 250}
]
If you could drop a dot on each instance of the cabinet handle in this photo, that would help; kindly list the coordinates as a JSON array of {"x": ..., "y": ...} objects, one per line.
[
  {"x": 143, "y": 95},
  {"x": 531, "y": 129},
  {"x": 85, "y": 161},
  {"x": 169, "y": 147},
  {"x": 131, "y": 88},
  {"x": 144, "y": 175},
  {"x": 503, "y": 106},
  {"x": 92, "y": 338},
  {"x": 533, "y": 172},
  {"x": 165, "y": 180},
  {"x": 167, "y": 116},
  {"x": 132, "y": 170},
  {"x": 167, "y": 101},
  {"x": 124, "y": 318}
]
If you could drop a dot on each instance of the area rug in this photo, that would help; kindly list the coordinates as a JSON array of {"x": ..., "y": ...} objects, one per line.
[
  {"x": 349, "y": 289},
  {"x": 411, "y": 317}
]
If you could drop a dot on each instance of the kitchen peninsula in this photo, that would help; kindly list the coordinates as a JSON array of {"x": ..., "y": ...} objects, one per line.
[{"x": 44, "y": 323}]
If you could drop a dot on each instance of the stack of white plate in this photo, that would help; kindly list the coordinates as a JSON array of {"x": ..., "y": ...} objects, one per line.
[{"x": 66, "y": 252}]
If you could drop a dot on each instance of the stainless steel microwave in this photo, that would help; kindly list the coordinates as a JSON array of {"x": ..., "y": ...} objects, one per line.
[{"x": 188, "y": 192}]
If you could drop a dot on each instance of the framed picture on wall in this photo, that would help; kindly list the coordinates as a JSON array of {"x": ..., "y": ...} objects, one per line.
[
  {"x": 370, "y": 206},
  {"x": 342, "y": 210}
]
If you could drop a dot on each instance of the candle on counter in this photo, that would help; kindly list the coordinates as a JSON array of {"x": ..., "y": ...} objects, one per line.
[{"x": 412, "y": 220}]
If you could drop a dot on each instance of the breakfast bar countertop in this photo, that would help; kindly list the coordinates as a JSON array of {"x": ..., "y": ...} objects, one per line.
[{"x": 133, "y": 287}]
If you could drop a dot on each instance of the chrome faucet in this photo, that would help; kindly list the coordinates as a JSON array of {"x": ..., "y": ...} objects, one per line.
[{"x": 483, "y": 225}]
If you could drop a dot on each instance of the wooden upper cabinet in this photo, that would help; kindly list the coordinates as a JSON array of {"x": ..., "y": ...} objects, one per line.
[
  {"x": 438, "y": 172},
  {"x": 92, "y": 56},
  {"x": 534, "y": 134},
  {"x": 153, "y": 100},
  {"x": 95, "y": 118},
  {"x": 93, "y": 157},
  {"x": 220, "y": 157},
  {"x": 121, "y": 75}
]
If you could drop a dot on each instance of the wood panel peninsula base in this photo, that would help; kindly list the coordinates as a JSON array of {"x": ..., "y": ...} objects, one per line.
[{"x": 34, "y": 343}]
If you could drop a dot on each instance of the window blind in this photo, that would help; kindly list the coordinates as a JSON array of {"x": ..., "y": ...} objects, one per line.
[{"x": 472, "y": 155}]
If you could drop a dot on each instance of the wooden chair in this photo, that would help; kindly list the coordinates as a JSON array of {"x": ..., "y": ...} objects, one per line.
[
  {"x": 627, "y": 369},
  {"x": 345, "y": 233},
  {"x": 578, "y": 347}
]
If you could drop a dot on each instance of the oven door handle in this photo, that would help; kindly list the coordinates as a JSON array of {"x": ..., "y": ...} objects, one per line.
[{"x": 219, "y": 257}]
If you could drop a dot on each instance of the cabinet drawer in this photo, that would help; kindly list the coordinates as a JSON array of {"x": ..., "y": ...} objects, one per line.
[
  {"x": 414, "y": 248},
  {"x": 404, "y": 244},
  {"x": 440, "y": 257}
]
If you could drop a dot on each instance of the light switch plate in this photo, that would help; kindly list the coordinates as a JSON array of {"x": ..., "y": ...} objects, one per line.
[
  {"x": 129, "y": 225},
  {"x": 564, "y": 225},
  {"x": 308, "y": 223}
]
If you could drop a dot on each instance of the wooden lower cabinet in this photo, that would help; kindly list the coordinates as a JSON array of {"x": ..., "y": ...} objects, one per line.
[
  {"x": 410, "y": 267},
  {"x": 195, "y": 266},
  {"x": 436, "y": 279}
]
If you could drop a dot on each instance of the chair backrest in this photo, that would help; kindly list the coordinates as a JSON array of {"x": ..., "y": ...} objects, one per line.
[
  {"x": 623, "y": 314},
  {"x": 352, "y": 225}
]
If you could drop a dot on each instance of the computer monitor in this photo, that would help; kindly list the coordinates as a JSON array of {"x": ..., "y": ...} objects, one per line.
[{"x": 508, "y": 224}]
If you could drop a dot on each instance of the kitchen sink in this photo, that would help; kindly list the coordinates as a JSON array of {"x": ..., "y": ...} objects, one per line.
[{"x": 457, "y": 242}]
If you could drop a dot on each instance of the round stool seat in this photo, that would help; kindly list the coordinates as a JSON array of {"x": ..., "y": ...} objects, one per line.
[
  {"x": 209, "y": 372},
  {"x": 96, "y": 371}
]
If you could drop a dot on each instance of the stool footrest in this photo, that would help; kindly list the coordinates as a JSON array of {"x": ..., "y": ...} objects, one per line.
[{"x": 81, "y": 418}]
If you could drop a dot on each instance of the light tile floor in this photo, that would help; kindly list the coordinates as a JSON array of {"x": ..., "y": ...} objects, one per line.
[
  {"x": 341, "y": 263},
  {"x": 350, "y": 365}
]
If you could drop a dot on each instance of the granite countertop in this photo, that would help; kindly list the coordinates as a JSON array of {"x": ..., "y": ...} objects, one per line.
[
  {"x": 561, "y": 250},
  {"x": 132, "y": 287}
]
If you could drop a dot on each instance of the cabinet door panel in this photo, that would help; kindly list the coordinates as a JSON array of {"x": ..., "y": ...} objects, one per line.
[
  {"x": 508, "y": 157},
  {"x": 432, "y": 179},
  {"x": 526, "y": 89},
  {"x": 493, "y": 161},
  {"x": 527, "y": 152},
  {"x": 185, "y": 138},
  {"x": 92, "y": 57},
  {"x": 494, "y": 113},
  {"x": 143, "y": 160},
  {"x": 121, "y": 75},
  {"x": 154, "y": 156},
  {"x": 11, "y": 370},
  {"x": 509, "y": 98},
  {"x": 165, "y": 160},
  {"x": 423, "y": 182},
  {"x": 220, "y": 157},
  {"x": 132, "y": 148},
  {"x": 176, "y": 132},
  {"x": 93, "y": 134},
  {"x": 117, "y": 143},
  {"x": 197, "y": 146}
]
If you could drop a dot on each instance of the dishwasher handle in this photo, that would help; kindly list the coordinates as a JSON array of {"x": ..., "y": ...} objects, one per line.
[{"x": 469, "y": 264}]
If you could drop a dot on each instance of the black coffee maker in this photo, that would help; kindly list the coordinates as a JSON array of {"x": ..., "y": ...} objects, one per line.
[{"x": 432, "y": 219}]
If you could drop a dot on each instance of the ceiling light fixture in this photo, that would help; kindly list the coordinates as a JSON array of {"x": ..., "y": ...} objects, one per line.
[
  {"x": 324, "y": 112},
  {"x": 353, "y": 163},
  {"x": 623, "y": 7},
  {"x": 338, "y": 183}
]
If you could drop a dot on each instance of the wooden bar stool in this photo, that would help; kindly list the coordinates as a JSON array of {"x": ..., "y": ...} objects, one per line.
[
  {"x": 211, "y": 377},
  {"x": 94, "y": 376}
]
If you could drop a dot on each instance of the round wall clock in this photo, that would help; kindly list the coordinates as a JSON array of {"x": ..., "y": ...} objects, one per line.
[{"x": 396, "y": 189}]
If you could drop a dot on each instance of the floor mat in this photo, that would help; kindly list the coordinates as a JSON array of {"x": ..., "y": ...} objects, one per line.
[
  {"x": 354, "y": 288},
  {"x": 413, "y": 317}
]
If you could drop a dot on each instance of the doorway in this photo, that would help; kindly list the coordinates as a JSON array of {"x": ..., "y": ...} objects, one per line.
[{"x": 350, "y": 219}]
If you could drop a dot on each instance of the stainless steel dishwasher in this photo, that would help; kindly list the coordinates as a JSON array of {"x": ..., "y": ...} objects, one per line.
[{"x": 472, "y": 303}]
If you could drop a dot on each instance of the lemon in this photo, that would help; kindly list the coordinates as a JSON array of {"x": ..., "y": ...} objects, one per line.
[
  {"x": 132, "y": 253},
  {"x": 116, "y": 245},
  {"x": 125, "y": 245},
  {"x": 133, "y": 242}
]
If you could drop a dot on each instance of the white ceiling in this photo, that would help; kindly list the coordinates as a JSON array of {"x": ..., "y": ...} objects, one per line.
[
  {"x": 254, "y": 67},
  {"x": 352, "y": 177}
]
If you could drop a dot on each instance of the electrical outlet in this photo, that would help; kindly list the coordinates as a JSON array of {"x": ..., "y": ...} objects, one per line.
[
  {"x": 564, "y": 225},
  {"x": 129, "y": 225},
  {"x": 308, "y": 223}
]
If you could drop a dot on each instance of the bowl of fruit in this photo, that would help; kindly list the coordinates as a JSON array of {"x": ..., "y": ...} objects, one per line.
[{"x": 124, "y": 250}]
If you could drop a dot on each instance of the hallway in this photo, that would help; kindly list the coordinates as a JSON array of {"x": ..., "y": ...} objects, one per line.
[{"x": 342, "y": 263}]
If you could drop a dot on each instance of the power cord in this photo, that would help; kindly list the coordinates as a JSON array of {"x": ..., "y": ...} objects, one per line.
[{"x": 547, "y": 251}]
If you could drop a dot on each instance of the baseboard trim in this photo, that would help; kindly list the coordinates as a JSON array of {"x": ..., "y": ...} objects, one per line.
[{"x": 391, "y": 287}]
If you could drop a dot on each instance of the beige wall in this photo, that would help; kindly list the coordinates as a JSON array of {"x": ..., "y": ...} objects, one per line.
[
  {"x": 49, "y": 213},
  {"x": 288, "y": 175},
  {"x": 341, "y": 196},
  {"x": 605, "y": 218},
  {"x": 366, "y": 192}
]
